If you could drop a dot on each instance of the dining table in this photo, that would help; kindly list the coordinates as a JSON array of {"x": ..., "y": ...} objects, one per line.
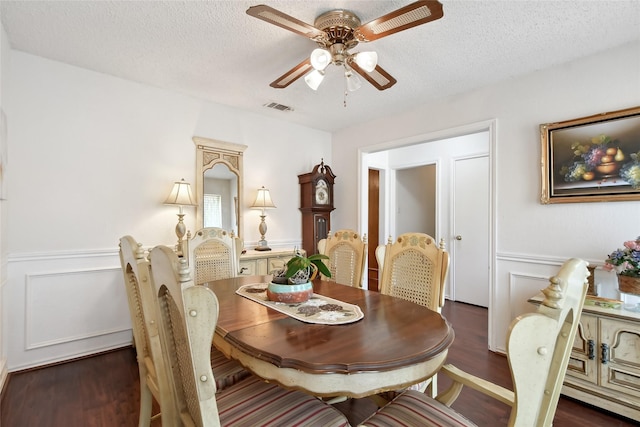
[{"x": 393, "y": 343}]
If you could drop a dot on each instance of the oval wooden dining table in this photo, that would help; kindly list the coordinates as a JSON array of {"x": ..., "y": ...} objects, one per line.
[{"x": 396, "y": 344}]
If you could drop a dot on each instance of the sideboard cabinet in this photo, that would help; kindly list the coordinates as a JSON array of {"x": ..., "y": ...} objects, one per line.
[
  {"x": 604, "y": 368},
  {"x": 264, "y": 262}
]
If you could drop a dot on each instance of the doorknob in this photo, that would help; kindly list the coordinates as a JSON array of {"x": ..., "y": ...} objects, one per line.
[{"x": 458, "y": 237}]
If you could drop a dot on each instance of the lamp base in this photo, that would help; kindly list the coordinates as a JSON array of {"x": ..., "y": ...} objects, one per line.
[{"x": 262, "y": 246}]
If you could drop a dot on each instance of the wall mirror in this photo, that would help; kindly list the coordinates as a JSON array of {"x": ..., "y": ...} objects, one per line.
[{"x": 219, "y": 184}]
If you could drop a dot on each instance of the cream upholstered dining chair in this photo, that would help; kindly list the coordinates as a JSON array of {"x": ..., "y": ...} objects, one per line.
[
  {"x": 153, "y": 380},
  {"x": 347, "y": 254},
  {"x": 214, "y": 254},
  {"x": 187, "y": 318},
  {"x": 414, "y": 268},
  {"x": 538, "y": 348}
]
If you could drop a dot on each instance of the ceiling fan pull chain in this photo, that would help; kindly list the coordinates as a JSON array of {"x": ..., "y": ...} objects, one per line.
[{"x": 346, "y": 92}]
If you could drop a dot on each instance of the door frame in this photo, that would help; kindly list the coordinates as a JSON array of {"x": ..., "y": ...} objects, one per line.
[{"x": 471, "y": 128}]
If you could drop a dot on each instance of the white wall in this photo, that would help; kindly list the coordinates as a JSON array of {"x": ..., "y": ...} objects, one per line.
[
  {"x": 415, "y": 204},
  {"x": 531, "y": 239},
  {"x": 92, "y": 158}
]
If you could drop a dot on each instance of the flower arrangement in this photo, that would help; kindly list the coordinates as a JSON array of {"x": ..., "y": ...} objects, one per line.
[{"x": 626, "y": 262}]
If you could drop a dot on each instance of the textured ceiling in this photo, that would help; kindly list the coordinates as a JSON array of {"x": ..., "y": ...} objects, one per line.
[{"x": 215, "y": 51}]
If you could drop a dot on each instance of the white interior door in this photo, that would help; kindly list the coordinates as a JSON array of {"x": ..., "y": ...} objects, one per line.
[{"x": 470, "y": 255}]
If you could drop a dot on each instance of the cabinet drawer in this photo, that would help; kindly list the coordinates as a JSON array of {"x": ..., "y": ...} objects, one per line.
[{"x": 248, "y": 268}]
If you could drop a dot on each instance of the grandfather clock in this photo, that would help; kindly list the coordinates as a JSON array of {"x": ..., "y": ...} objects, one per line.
[{"x": 316, "y": 204}]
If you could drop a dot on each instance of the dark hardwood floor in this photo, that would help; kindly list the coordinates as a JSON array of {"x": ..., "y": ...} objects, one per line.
[{"x": 103, "y": 391}]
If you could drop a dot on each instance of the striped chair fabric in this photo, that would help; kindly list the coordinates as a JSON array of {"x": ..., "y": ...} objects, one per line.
[{"x": 414, "y": 408}]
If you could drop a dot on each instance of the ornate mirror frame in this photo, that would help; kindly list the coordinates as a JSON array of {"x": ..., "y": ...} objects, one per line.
[{"x": 210, "y": 152}]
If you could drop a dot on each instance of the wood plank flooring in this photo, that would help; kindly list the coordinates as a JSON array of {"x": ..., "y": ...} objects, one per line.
[{"x": 103, "y": 391}]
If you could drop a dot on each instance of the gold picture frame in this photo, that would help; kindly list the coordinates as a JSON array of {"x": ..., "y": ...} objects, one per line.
[{"x": 591, "y": 159}]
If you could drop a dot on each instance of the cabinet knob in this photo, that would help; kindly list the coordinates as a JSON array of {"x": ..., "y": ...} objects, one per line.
[{"x": 458, "y": 237}]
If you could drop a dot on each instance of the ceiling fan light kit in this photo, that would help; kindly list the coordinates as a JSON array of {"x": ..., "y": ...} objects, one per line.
[{"x": 336, "y": 32}]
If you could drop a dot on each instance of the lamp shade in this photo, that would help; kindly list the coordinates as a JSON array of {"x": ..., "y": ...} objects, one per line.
[
  {"x": 263, "y": 200},
  {"x": 180, "y": 194}
]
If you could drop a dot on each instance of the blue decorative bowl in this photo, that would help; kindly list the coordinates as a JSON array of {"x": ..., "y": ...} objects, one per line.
[{"x": 290, "y": 294}]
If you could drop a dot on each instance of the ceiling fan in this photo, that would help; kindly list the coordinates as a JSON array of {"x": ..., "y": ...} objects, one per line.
[{"x": 337, "y": 32}]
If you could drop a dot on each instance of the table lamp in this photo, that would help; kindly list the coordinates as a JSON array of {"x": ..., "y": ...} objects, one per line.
[
  {"x": 180, "y": 195},
  {"x": 263, "y": 201}
]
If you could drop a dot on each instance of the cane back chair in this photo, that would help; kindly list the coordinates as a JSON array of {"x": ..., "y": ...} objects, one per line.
[
  {"x": 347, "y": 254},
  {"x": 214, "y": 254},
  {"x": 538, "y": 348}
]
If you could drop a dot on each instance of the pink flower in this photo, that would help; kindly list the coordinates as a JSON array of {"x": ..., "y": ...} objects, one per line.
[{"x": 634, "y": 245}]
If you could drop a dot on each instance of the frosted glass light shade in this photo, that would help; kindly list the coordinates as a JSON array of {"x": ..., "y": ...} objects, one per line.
[
  {"x": 314, "y": 78},
  {"x": 320, "y": 59},
  {"x": 367, "y": 60}
]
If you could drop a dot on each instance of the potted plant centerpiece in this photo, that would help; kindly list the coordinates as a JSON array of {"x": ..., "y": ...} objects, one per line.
[{"x": 293, "y": 283}]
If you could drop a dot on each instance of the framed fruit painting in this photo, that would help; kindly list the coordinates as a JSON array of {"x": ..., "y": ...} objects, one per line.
[{"x": 591, "y": 159}]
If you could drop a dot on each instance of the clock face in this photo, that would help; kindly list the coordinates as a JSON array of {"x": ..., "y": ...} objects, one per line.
[{"x": 322, "y": 192}]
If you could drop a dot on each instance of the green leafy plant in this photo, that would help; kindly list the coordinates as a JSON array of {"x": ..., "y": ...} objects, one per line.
[{"x": 300, "y": 268}]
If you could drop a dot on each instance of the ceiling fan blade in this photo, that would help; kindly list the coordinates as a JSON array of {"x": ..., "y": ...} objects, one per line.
[
  {"x": 292, "y": 75},
  {"x": 378, "y": 77},
  {"x": 410, "y": 16},
  {"x": 275, "y": 17}
]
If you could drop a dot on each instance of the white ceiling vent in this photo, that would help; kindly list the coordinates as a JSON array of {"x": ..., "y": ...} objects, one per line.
[{"x": 279, "y": 107}]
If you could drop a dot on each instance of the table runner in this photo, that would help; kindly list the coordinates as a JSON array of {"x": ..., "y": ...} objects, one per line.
[{"x": 318, "y": 309}]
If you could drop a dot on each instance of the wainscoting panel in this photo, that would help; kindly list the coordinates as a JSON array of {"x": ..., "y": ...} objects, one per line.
[
  {"x": 61, "y": 306},
  {"x": 518, "y": 277},
  {"x": 100, "y": 311}
]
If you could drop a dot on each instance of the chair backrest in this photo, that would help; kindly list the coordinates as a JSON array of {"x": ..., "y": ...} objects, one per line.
[
  {"x": 539, "y": 345},
  {"x": 214, "y": 254},
  {"x": 186, "y": 338},
  {"x": 347, "y": 254},
  {"x": 137, "y": 279},
  {"x": 414, "y": 268}
]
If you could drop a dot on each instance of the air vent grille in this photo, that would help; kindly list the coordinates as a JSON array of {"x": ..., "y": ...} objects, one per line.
[{"x": 279, "y": 107}]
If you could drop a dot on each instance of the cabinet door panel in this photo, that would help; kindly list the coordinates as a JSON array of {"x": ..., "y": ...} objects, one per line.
[
  {"x": 620, "y": 353},
  {"x": 584, "y": 355}
]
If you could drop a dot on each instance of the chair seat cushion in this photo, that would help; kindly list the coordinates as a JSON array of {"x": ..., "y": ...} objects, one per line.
[
  {"x": 413, "y": 408},
  {"x": 253, "y": 402},
  {"x": 227, "y": 372}
]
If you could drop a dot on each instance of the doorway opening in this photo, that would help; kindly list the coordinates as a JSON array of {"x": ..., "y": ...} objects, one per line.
[{"x": 417, "y": 185}]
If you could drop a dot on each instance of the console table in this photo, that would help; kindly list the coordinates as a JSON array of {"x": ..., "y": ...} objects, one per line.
[
  {"x": 604, "y": 368},
  {"x": 254, "y": 262}
]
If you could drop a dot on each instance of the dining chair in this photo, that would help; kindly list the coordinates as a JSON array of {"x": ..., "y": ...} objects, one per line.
[
  {"x": 153, "y": 380},
  {"x": 347, "y": 254},
  {"x": 187, "y": 319},
  {"x": 414, "y": 268},
  {"x": 538, "y": 348},
  {"x": 137, "y": 280},
  {"x": 213, "y": 254}
]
